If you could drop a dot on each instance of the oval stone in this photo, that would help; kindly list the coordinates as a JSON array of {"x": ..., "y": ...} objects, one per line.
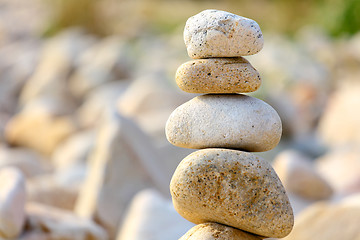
[
  {"x": 218, "y": 75},
  {"x": 234, "y": 188},
  {"x": 214, "y": 33},
  {"x": 215, "y": 231},
  {"x": 228, "y": 121}
]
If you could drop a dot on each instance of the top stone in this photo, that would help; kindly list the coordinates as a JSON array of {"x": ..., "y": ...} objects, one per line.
[{"x": 214, "y": 33}]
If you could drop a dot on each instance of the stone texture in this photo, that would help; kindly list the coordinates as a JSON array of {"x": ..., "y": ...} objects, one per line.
[
  {"x": 299, "y": 176},
  {"x": 152, "y": 217},
  {"x": 228, "y": 121},
  {"x": 218, "y": 75},
  {"x": 12, "y": 202},
  {"x": 123, "y": 162},
  {"x": 214, "y": 33},
  {"x": 234, "y": 188},
  {"x": 328, "y": 221},
  {"x": 61, "y": 224},
  {"x": 215, "y": 231}
]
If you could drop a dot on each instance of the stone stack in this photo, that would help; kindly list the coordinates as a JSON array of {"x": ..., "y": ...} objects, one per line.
[{"x": 228, "y": 191}]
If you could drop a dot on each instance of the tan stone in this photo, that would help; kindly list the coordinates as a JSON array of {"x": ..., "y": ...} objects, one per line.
[
  {"x": 218, "y": 75},
  {"x": 299, "y": 176},
  {"x": 214, "y": 33},
  {"x": 234, "y": 188},
  {"x": 215, "y": 231},
  {"x": 12, "y": 202},
  {"x": 39, "y": 130},
  {"x": 229, "y": 121}
]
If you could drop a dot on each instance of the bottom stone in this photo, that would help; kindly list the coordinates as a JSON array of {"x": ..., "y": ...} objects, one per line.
[
  {"x": 215, "y": 231},
  {"x": 233, "y": 188}
]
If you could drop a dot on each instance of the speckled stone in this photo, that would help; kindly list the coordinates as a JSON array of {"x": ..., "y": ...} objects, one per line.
[
  {"x": 214, "y": 33},
  {"x": 215, "y": 231},
  {"x": 225, "y": 120},
  {"x": 218, "y": 75},
  {"x": 233, "y": 188}
]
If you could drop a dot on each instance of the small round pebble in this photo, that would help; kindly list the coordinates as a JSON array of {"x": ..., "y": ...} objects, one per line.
[
  {"x": 233, "y": 121},
  {"x": 214, "y": 33},
  {"x": 215, "y": 231},
  {"x": 218, "y": 75},
  {"x": 234, "y": 188}
]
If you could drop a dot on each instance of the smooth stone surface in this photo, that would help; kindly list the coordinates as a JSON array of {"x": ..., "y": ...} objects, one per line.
[
  {"x": 12, "y": 202},
  {"x": 228, "y": 121},
  {"x": 214, "y": 33},
  {"x": 234, "y": 188},
  {"x": 215, "y": 231},
  {"x": 299, "y": 176},
  {"x": 218, "y": 75},
  {"x": 152, "y": 217}
]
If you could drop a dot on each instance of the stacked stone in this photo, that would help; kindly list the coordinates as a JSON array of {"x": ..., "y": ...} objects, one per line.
[{"x": 228, "y": 191}]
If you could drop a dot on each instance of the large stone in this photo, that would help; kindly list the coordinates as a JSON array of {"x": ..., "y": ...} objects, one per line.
[
  {"x": 214, "y": 33},
  {"x": 12, "y": 202},
  {"x": 152, "y": 217},
  {"x": 61, "y": 224},
  {"x": 299, "y": 176},
  {"x": 215, "y": 231},
  {"x": 328, "y": 221},
  {"x": 234, "y": 188},
  {"x": 123, "y": 162},
  {"x": 218, "y": 75},
  {"x": 229, "y": 121}
]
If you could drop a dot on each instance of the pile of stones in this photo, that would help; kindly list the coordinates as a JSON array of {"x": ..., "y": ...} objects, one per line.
[{"x": 228, "y": 191}]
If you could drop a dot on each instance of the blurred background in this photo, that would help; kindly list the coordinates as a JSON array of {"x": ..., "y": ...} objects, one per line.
[{"x": 86, "y": 88}]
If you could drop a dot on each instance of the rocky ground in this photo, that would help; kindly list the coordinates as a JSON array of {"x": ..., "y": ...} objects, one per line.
[{"x": 83, "y": 153}]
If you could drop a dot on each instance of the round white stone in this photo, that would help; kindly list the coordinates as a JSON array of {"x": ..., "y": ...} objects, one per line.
[
  {"x": 232, "y": 121},
  {"x": 214, "y": 33}
]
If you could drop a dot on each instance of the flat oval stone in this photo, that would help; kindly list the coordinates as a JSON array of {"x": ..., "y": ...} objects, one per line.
[
  {"x": 234, "y": 188},
  {"x": 214, "y": 33},
  {"x": 215, "y": 231},
  {"x": 224, "y": 120},
  {"x": 218, "y": 75}
]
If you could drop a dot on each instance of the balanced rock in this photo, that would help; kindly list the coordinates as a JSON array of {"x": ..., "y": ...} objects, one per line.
[
  {"x": 218, "y": 75},
  {"x": 214, "y": 33},
  {"x": 225, "y": 121},
  {"x": 215, "y": 231},
  {"x": 234, "y": 188},
  {"x": 12, "y": 202}
]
